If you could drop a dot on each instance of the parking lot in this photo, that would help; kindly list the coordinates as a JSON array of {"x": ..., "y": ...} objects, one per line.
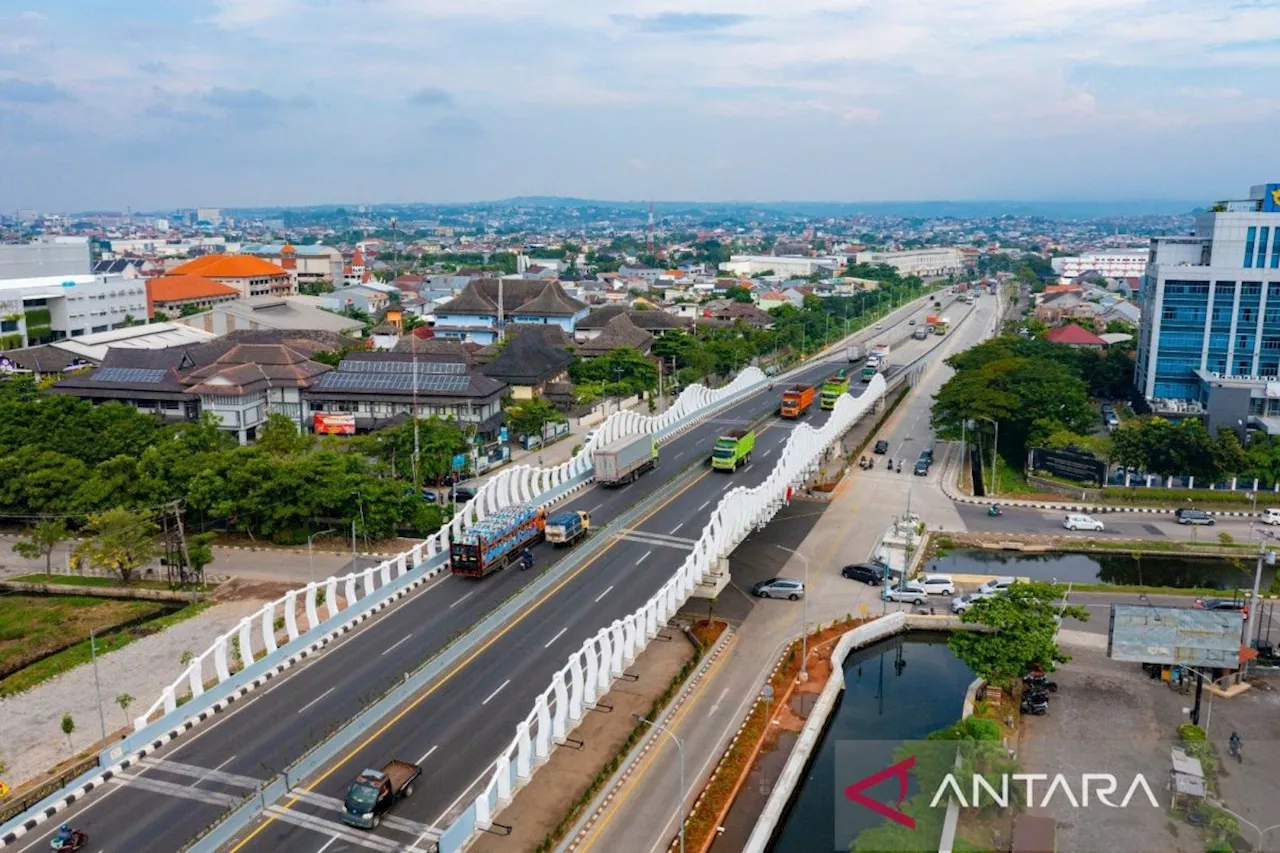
[{"x": 1110, "y": 717}]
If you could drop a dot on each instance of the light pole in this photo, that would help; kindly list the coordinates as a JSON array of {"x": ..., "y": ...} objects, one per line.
[
  {"x": 804, "y": 599},
  {"x": 97, "y": 685},
  {"x": 995, "y": 453},
  {"x": 1253, "y": 625},
  {"x": 680, "y": 750},
  {"x": 311, "y": 567}
]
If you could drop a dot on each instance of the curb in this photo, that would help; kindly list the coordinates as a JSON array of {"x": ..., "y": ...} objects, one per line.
[
  {"x": 634, "y": 759},
  {"x": 326, "y": 553}
]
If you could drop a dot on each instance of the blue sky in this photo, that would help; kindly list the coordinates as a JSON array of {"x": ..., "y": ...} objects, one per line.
[{"x": 261, "y": 102}]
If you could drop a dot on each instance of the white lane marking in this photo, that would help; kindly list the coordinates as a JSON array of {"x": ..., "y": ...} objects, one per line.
[
  {"x": 767, "y": 452},
  {"x": 677, "y": 527},
  {"x": 428, "y": 753},
  {"x": 558, "y": 635},
  {"x": 603, "y": 594},
  {"x": 496, "y": 692},
  {"x": 727, "y": 487},
  {"x": 704, "y": 506},
  {"x": 327, "y": 844},
  {"x": 403, "y": 639},
  {"x": 748, "y": 468},
  {"x": 315, "y": 700},
  {"x": 460, "y": 600},
  {"x": 594, "y": 508},
  {"x": 639, "y": 561},
  {"x": 720, "y": 699}
]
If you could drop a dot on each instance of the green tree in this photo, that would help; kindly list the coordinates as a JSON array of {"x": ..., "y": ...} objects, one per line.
[
  {"x": 68, "y": 726},
  {"x": 738, "y": 293},
  {"x": 527, "y": 417},
  {"x": 42, "y": 540},
  {"x": 124, "y": 700},
  {"x": 122, "y": 541},
  {"x": 200, "y": 551},
  {"x": 1229, "y": 458},
  {"x": 622, "y": 372},
  {"x": 280, "y": 436},
  {"x": 1025, "y": 622}
]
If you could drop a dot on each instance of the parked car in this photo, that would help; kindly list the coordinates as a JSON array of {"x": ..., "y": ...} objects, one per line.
[
  {"x": 1193, "y": 516},
  {"x": 463, "y": 494},
  {"x": 779, "y": 588},
  {"x": 430, "y": 496},
  {"x": 995, "y": 585},
  {"x": 1271, "y": 516},
  {"x": 868, "y": 573},
  {"x": 912, "y": 592},
  {"x": 939, "y": 584},
  {"x": 881, "y": 447},
  {"x": 1081, "y": 522},
  {"x": 962, "y": 603}
]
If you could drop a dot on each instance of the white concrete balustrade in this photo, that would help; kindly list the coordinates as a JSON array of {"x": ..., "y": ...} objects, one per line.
[
  {"x": 592, "y": 669},
  {"x": 256, "y": 637}
]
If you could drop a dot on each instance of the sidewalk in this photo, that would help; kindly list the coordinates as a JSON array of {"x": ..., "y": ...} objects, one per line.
[{"x": 31, "y": 738}]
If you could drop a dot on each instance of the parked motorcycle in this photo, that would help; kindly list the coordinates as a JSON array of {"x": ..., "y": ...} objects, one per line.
[
  {"x": 1040, "y": 683},
  {"x": 1034, "y": 708},
  {"x": 1037, "y": 696}
]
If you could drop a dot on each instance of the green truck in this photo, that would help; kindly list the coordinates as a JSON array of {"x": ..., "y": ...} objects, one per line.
[
  {"x": 733, "y": 449},
  {"x": 836, "y": 385}
]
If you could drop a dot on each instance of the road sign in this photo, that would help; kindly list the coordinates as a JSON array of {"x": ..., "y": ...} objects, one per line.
[
  {"x": 768, "y": 693},
  {"x": 1175, "y": 635}
]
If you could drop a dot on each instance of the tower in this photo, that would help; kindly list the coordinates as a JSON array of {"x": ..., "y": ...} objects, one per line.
[{"x": 650, "y": 243}]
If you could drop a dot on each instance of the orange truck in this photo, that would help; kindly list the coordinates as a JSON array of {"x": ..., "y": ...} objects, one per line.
[
  {"x": 796, "y": 400},
  {"x": 932, "y": 320}
]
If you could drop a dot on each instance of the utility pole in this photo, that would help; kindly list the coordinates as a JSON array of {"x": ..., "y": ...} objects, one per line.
[
  {"x": 1253, "y": 625},
  {"x": 97, "y": 685},
  {"x": 417, "y": 447}
]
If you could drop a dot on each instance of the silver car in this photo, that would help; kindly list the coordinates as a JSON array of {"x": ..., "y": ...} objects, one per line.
[
  {"x": 912, "y": 592},
  {"x": 779, "y": 588},
  {"x": 961, "y": 603}
]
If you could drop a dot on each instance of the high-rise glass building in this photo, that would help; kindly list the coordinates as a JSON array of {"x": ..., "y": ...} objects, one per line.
[{"x": 1209, "y": 340}]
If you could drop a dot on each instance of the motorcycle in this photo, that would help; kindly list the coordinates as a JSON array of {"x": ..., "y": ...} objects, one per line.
[
  {"x": 899, "y": 468},
  {"x": 995, "y": 511},
  {"x": 862, "y": 463},
  {"x": 1036, "y": 696},
  {"x": 78, "y": 840},
  {"x": 1034, "y": 708},
  {"x": 1039, "y": 683},
  {"x": 1236, "y": 752}
]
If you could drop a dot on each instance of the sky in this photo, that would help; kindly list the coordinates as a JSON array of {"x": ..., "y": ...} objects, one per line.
[{"x": 231, "y": 103}]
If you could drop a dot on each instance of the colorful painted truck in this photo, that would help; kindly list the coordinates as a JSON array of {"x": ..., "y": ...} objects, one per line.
[
  {"x": 625, "y": 459},
  {"x": 567, "y": 527},
  {"x": 497, "y": 540},
  {"x": 732, "y": 449},
  {"x": 836, "y": 384},
  {"x": 796, "y": 400}
]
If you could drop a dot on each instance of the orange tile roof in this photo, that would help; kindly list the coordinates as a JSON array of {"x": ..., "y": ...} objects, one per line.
[
  {"x": 229, "y": 266},
  {"x": 174, "y": 288}
]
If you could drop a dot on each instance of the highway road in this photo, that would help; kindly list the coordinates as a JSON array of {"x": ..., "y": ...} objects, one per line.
[
  {"x": 1119, "y": 525},
  {"x": 186, "y": 786}
]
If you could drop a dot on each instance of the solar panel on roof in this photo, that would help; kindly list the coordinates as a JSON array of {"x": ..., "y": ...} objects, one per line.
[
  {"x": 357, "y": 381},
  {"x": 451, "y": 368},
  {"x": 142, "y": 375}
]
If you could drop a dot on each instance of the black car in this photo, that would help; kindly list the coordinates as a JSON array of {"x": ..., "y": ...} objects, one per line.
[
  {"x": 927, "y": 453},
  {"x": 922, "y": 468},
  {"x": 1237, "y": 604},
  {"x": 882, "y": 446},
  {"x": 430, "y": 496},
  {"x": 868, "y": 573},
  {"x": 463, "y": 494},
  {"x": 1193, "y": 516}
]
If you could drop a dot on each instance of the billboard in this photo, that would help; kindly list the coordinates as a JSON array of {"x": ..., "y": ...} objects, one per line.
[
  {"x": 1141, "y": 633},
  {"x": 1071, "y": 464},
  {"x": 1271, "y": 198},
  {"x": 327, "y": 424}
]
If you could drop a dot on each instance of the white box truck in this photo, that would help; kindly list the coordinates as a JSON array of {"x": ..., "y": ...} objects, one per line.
[{"x": 625, "y": 459}]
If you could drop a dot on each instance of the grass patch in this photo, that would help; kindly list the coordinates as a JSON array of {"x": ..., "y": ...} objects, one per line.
[
  {"x": 1197, "y": 592},
  {"x": 105, "y": 583},
  {"x": 82, "y": 615},
  {"x": 1155, "y": 546}
]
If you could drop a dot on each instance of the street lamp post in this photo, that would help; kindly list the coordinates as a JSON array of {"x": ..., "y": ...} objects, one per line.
[
  {"x": 804, "y": 599},
  {"x": 1262, "y": 832},
  {"x": 97, "y": 685},
  {"x": 680, "y": 750},
  {"x": 311, "y": 567}
]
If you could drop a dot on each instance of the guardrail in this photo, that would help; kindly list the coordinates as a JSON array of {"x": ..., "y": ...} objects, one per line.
[{"x": 591, "y": 671}]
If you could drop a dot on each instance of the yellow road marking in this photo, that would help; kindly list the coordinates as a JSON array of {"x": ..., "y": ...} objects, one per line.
[{"x": 463, "y": 664}]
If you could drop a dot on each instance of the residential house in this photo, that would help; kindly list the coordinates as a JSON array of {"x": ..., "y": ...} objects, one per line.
[
  {"x": 171, "y": 294},
  {"x": 744, "y": 311},
  {"x": 354, "y": 271},
  {"x": 148, "y": 380},
  {"x": 127, "y": 267},
  {"x": 1053, "y": 308},
  {"x": 364, "y": 298},
  {"x": 617, "y": 333},
  {"x": 772, "y": 299},
  {"x": 554, "y": 336},
  {"x": 649, "y": 275},
  {"x": 655, "y": 322},
  {"x": 527, "y": 363},
  {"x": 1074, "y": 336},
  {"x": 250, "y": 275},
  {"x": 380, "y": 389},
  {"x": 473, "y": 315},
  {"x": 1124, "y": 312},
  {"x": 40, "y": 362}
]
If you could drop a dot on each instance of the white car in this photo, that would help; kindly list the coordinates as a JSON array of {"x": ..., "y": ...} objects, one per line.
[
  {"x": 912, "y": 592},
  {"x": 995, "y": 585},
  {"x": 1271, "y": 516},
  {"x": 939, "y": 584},
  {"x": 962, "y": 603},
  {"x": 1081, "y": 522}
]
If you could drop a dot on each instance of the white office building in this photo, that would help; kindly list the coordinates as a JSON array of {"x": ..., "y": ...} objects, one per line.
[
  {"x": 1113, "y": 264},
  {"x": 785, "y": 266},
  {"x": 921, "y": 262},
  {"x": 45, "y": 256},
  {"x": 50, "y": 308}
]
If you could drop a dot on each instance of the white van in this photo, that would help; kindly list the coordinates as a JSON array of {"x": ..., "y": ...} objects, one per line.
[
  {"x": 1081, "y": 522},
  {"x": 1271, "y": 516}
]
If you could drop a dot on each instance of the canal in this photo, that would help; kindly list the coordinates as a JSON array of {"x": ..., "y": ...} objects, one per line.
[
  {"x": 1126, "y": 569},
  {"x": 899, "y": 689}
]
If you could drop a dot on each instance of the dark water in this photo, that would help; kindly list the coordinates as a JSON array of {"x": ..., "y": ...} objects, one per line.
[
  {"x": 896, "y": 690},
  {"x": 1150, "y": 570}
]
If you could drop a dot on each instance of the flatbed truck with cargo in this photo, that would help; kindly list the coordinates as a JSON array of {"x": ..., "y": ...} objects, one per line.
[
  {"x": 497, "y": 540},
  {"x": 374, "y": 792},
  {"x": 567, "y": 527}
]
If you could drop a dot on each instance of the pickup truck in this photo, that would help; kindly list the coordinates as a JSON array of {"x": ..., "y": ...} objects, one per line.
[
  {"x": 567, "y": 527},
  {"x": 733, "y": 449},
  {"x": 374, "y": 792}
]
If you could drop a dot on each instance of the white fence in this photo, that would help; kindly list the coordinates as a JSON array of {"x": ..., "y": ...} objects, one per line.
[
  {"x": 592, "y": 669},
  {"x": 260, "y": 636}
]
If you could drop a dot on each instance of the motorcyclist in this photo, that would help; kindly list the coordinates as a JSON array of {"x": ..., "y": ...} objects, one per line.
[
  {"x": 526, "y": 559},
  {"x": 899, "y": 468},
  {"x": 995, "y": 509},
  {"x": 65, "y": 837},
  {"x": 1235, "y": 742}
]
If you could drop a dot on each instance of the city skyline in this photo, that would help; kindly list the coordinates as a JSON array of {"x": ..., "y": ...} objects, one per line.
[{"x": 249, "y": 103}]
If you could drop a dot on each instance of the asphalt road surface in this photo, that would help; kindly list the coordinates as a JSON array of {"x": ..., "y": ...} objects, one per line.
[
  {"x": 1118, "y": 525},
  {"x": 459, "y": 724}
]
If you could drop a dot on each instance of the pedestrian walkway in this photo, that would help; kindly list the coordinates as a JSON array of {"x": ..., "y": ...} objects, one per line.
[{"x": 31, "y": 738}]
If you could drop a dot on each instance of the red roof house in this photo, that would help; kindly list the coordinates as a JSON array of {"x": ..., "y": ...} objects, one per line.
[{"x": 1072, "y": 335}]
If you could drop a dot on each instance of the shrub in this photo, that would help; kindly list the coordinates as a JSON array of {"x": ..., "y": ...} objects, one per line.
[{"x": 1190, "y": 733}]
